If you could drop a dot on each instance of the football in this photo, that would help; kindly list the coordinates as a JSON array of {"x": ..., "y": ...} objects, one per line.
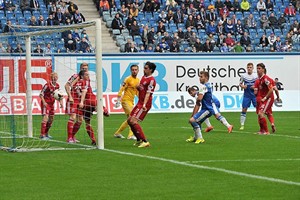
[{"x": 58, "y": 95}]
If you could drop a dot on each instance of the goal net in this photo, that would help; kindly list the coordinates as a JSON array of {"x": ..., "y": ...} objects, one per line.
[{"x": 27, "y": 69}]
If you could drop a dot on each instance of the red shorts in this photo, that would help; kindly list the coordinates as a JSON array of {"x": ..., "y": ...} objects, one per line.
[
  {"x": 72, "y": 108},
  {"x": 48, "y": 110},
  {"x": 138, "y": 112},
  {"x": 265, "y": 107},
  {"x": 88, "y": 112}
]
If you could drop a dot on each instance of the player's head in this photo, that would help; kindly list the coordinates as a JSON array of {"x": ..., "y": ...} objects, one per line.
[
  {"x": 203, "y": 77},
  {"x": 250, "y": 68},
  {"x": 149, "y": 68},
  {"x": 54, "y": 77},
  {"x": 261, "y": 69},
  {"x": 84, "y": 66},
  {"x": 192, "y": 91},
  {"x": 84, "y": 75},
  {"x": 276, "y": 79},
  {"x": 134, "y": 70}
]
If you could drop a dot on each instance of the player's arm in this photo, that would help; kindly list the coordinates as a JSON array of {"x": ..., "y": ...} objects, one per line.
[
  {"x": 146, "y": 100},
  {"x": 120, "y": 93},
  {"x": 82, "y": 98},
  {"x": 42, "y": 95},
  {"x": 242, "y": 83},
  {"x": 68, "y": 87},
  {"x": 198, "y": 104}
]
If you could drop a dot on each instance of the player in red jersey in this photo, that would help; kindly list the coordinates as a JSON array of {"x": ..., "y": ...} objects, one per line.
[
  {"x": 139, "y": 112},
  {"x": 47, "y": 102},
  {"x": 263, "y": 88}
]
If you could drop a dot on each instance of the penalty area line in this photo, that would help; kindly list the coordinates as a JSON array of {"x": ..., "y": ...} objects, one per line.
[
  {"x": 244, "y": 160},
  {"x": 275, "y": 180}
]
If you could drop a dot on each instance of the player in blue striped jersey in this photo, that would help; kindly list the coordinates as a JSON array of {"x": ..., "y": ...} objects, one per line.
[
  {"x": 208, "y": 108},
  {"x": 247, "y": 81}
]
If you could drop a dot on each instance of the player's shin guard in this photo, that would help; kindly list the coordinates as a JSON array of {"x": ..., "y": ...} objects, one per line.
[
  {"x": 48, "y": 126},
  {"x": 43, "y": 128},
  {"x": 243, "y": 118},
  {"x": 70, "y": 128},
  {"x": 76, "y": 128},
  {"x": 223, "y": 121},
  {"x": 90, "y": 132}
]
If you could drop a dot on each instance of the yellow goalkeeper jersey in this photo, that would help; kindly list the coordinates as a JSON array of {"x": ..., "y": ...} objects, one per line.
[{"x": 129, "y": 89}]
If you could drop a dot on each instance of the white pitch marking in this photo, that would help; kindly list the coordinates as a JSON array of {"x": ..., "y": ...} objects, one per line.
[
  {"x": 275, "y": 180},
  {"x": 244, "y": 160}
]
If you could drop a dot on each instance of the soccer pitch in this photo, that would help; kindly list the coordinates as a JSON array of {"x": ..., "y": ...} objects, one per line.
[{"x": 240, "y": 165}]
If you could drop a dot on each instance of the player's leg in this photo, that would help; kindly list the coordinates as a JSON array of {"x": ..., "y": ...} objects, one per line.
[
  {"x": 222, "y": 119},
  {"x": 196, "y": 122},
  {"x": 209, "y": 127},
  {"x": 127, "y": 107},
  {"x": 49, "y": 124},
  {"x": 88, "y": 113},
  {"x": 245, "y": 105},
  {"x": 43, "y": 126},
  {"x": 78, "y": 122}
]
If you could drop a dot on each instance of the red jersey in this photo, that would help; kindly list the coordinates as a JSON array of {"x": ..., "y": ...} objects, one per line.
[
  {"x": 47, "y": 92},
  {"x": 147, "y": 84},
  {"x": 263, "y": 85},
  {"x": 77, "y": 89},
  {"x": 73, "y": 78}
]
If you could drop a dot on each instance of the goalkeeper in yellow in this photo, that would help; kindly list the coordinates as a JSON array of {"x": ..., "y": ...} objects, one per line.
[{"x": 126, "y": 98}]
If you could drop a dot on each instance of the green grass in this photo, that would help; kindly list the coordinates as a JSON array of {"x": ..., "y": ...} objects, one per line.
[{"x": 169, "y": 169}]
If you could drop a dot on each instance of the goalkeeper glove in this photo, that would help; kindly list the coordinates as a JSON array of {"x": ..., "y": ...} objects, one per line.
[{"x": 118, "y": 103}]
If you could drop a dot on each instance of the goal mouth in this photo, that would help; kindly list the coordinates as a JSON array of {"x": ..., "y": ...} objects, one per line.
[{"x": 27, "y": 68}]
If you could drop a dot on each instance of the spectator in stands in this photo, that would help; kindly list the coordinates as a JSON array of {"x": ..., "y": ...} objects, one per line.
[
  {"x": 198, "y": 4},
  {"x": 70, "y": 44},
  {"x": 161, "y": 28},
  {"x": 24, "y": 5},
  {"x": 164, "y": 46},
  {"x": 277, "y": 44},
  {"x": 151, "y": 36},
  {"x": 162, "y": 16},
  {"x": 220, "y": 28},
  {"x": 72, "y": 7},
  {"x": 250, "y": 22},
  {"x": 174, "y": 47},
  {"x": 124, "y": 12},
  {"x": 220, "y": 40},
  {"x": 117, "y": 23},
  {"x": 282, "y": 21},
  {"x": 59, "y": 17},
  {"x": 179, "y": 16},
  {"x": 269, "y": 5},
  {"x": 170, "y": 16},
  {"x": 65, "y": 34},
  {"x": 2, "y": 4},
  {"x": 263, "y": 41},
  {"x": 286, "y": 47},
  {"x": 245, "y": 40},
  {"x": 113, "y": 6},
  {"x": 191, "y": 10},
  {"x": 48, "y": 49},
  {"x": 183, "y": 8},
  {"x": 202, "y": 14},
  {"x": 149, "y": 6},
  {"x": 224, "y": 48},
  {"x": 19, "y": 49},
  {"x": 144, "y": 35},
  {"x": 78, "y": 17},
  {"x": 76, "y": 36},
  {"x": 236, "y": 6},
  {"x": 212, "y": 40},
  {"x": 168, "y": 38},
  {"x": 264, "y": 22},
  {"x": 224, "y": 11},
  {"x": 32, "y": 21},
  {"x": 139, "y": 5},
  {"x": 188, "y": 34},
  {"x": 103, "y": 6},
  {"x": 229, "y": 41},
  {"x": 230, "y": 28},
  {"x": 229, "y": 5},
  {"x": 193, "y": 38},
  {"x": 149, "y": 49},
  {"x": 261, "y": 6},
  {"x": 158, "y": 49},
  {"x": 180, "y": 33},
  {"x": 190, "y": 22},
  {"x": 51, "y": 21},
  {"x": 219, "y": 5},
  {"x": 64, "y": 7},
  {"x": 9, "y": 5},
  {"x": 2, "y": 49},
  {"x": 171, "y": 5},
  {"x": 245, "y": 6},
  {"x": 207, "y": 47},
  {"x": 129, "y": 22},
  {"x": 295, "y": 26},
  {"x": 34, "y": 5},
  {"x": 211, "y": 28},
  {"x": 9, "y": 49},
  {"x": 273, "y": 21},
  {"x": 271, "y": 39},
  {"x": 239, "y": 27},
  {"x": 84, "y": 35},
  {"x": 211, "y": 6},
  {"x": 83, "y": 46},
  {"x": 238, "y": 47},
  {"x": 233, "y": 19},
  {"x": 52, "y": 8},
  {"x": 41, "y": 21},
  {"x": 38, "y": 50},
  {"x": 290, "y": 11},
  {"x": 135, "y": 29},
  {"x": 68, "y": 17},
  {"x": 132, "y": 48},
  {"x": 211, "y": 16},
  {"x": 8, "y": 27},
  {"x": 198, "y": 45},
  {"x": 288, "y": 38},
  {"x": 295, "y": 37},
  {"x": 133, "y": 10},
  {"x": 297, "y": 5},
  {"x": 199, "y": 23},
  {"x": 142, "y": 49}
]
